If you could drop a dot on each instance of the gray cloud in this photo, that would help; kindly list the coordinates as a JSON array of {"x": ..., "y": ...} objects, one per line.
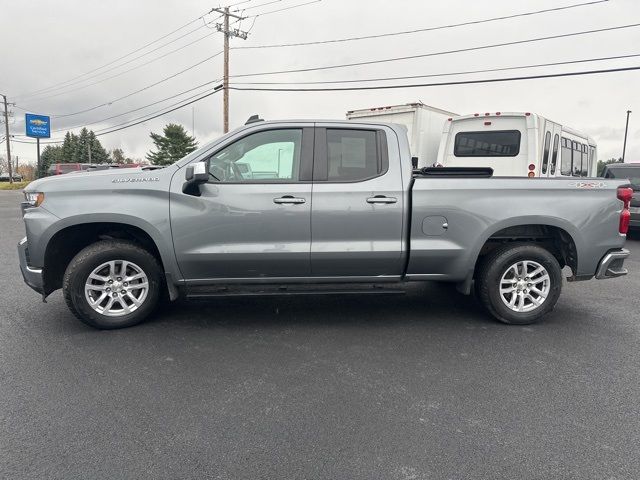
[{"x": 51, "y": 42}]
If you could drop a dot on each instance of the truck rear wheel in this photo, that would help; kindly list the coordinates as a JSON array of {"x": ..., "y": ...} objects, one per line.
[
  {"x": 519, "y": 284},
  {"x": 112, "y": 284}
]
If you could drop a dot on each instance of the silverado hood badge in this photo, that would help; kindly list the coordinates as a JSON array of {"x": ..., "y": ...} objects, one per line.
[{"x": 135, "y": 179}]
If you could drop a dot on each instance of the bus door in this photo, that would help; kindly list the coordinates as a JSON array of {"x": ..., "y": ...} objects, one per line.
[{"x": 550, "y": 159}]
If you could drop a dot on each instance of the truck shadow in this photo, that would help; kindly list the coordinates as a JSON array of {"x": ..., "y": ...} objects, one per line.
[{"x": 431, "y": 303}]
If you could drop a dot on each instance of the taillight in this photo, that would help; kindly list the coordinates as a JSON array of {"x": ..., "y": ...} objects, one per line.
[
  {"x": 625, "y": 218},
  {"x": 625, "y": 194}
]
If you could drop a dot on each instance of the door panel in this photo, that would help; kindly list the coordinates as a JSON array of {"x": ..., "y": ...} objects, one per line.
[
  {"x": 239, "y": 231},
  {"x": 357, "y": 226},
  {"x": 253, "y": 219}
]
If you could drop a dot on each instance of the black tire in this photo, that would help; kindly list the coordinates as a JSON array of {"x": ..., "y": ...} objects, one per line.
[
  {"x": 494, "y": 266},
  {"x": 91, "y": 257}
]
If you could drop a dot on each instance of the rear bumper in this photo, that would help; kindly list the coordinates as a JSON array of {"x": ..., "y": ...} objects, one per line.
[
  {"x": 612, "y": 264},
  {"x": 32, "y": 276}
]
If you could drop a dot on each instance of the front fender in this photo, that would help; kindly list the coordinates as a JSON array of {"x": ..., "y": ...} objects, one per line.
[{"x": 160, "y": 233}]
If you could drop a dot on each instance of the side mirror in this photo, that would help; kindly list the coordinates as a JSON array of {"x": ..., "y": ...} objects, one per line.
[{"x": 195, "y": 175}]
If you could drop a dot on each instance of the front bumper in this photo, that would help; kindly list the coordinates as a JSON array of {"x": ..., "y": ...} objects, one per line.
[
  {"x": 32, "y": 276},
  {"x": 612, "y": 264}
]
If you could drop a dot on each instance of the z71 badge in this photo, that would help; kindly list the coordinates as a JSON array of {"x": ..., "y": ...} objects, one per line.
[
  {"x": 135, "y": 179},
  {"x": 588, "y": 184}
]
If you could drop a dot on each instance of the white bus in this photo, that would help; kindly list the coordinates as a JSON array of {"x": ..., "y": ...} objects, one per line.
[{"x": 517, "y": 144}]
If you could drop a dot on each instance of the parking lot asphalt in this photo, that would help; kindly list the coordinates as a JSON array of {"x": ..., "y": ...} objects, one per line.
[{"x": 415, "y": 386}]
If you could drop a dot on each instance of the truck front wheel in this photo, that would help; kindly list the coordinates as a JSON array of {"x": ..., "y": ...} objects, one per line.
[
  {"x": 112, "y": 284},
  {"x": 519, "y": 284}
]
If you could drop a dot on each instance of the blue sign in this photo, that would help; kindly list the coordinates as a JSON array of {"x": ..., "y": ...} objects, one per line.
[{"x": 38, "y": 126}]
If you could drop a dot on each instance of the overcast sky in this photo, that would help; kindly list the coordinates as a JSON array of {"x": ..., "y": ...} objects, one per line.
[{"x": 45, "y": 43}]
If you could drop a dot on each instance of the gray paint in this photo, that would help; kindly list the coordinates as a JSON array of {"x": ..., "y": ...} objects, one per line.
[{"x": 236, "y": 233}]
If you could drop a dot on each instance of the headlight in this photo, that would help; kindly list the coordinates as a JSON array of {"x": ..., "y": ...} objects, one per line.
[{"x": 34, "y": 199}]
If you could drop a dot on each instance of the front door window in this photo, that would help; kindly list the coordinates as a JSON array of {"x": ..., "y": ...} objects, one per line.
[{"x": 267, "y": 156}]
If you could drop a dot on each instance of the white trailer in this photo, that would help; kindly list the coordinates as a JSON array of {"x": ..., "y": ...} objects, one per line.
[{"x": 424, "y": 126}]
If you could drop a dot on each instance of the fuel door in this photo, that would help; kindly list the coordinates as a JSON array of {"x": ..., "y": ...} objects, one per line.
[{"x": 435, "y": 225}]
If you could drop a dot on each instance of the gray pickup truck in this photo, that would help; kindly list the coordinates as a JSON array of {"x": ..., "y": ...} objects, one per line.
[{"x": 314, "y": 206}]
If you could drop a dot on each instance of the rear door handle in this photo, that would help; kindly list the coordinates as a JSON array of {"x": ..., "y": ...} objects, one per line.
[
  {"x": 381, "y": 199},
  {"x": 289, "y": 200}
]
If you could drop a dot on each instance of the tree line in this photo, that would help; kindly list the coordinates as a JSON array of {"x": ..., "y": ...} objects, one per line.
[{"x": 170, "y": 146}]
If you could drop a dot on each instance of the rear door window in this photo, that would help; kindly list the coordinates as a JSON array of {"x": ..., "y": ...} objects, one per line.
[
  {"x": 498, "y": 143},
  {"x": 349, "y": 155}
]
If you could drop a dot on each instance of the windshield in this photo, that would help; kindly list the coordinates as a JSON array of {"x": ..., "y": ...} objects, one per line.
[{"x": 632, "y": 173}]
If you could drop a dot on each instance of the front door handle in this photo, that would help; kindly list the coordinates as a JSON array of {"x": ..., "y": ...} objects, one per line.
[
  {"x": 289, "y": 200},
  {"x": 381, "y": 199}
]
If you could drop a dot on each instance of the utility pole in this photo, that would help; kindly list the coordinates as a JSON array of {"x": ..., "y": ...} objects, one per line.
[
  {"x": 89, "y": 151},
  {"x": 626, "y": 129},
  {"x": 224, "y": 28},
  {"x": 6, "y": 127}
]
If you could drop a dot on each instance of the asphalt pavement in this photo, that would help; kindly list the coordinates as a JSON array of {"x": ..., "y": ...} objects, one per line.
[{"x": 417, "y": 386}]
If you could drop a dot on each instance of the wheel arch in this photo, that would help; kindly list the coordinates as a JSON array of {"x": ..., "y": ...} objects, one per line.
[
  {"x": 73, "y": 234},
  {"x": 558, "y": 236}
]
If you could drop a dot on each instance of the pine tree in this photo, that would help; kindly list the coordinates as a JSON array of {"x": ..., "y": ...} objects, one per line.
[
  {"x": 172, "y": 146},
  {"x": 50, "y": 155},
  {"x": 117, "y": 156},
  {"x": 80, "y": 152},
  {"x": 98, "y": 153},
  {"x": 68, "y": 147}
]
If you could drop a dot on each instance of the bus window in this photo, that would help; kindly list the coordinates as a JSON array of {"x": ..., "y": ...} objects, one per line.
[
  {"x": 554, "y": 155},
  {"x": 577, "y": 152},
  {"x": 504, "y": 143},
  {"x": 565, "y": 159},
  {"x": 585, "y": 161},
  {"x": 545, "y": 157}
]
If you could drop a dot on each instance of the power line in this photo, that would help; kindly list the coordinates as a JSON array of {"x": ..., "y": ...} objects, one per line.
[
  {"x": 618, "y": 57},
  {"x": 259, "y": 5},
  {"x": 143, "y": 120},
  {"x": 427, "y": 29},
  {"x": 433, "y": 54},
  {"x": 140, "y": 108},
  {"x": 461, "y": 82},
  {"x": 381, "y": 87},
  {"x": 110, "y": 102},
  {"x": 125, "y": 71},
  {"x": 262, "y": 14},
  {"x": 159, "y": 112},
  {"x": 123, "y": 56},
  {"x": 465, "y": 72},
  {"x": 235, "y": 4}
]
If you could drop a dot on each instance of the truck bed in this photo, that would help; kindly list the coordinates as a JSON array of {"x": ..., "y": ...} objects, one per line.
[{"x": 452, "y": 218}]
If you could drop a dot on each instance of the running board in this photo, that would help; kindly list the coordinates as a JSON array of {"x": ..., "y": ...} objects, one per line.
[{"x": 195, "y": 292}]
